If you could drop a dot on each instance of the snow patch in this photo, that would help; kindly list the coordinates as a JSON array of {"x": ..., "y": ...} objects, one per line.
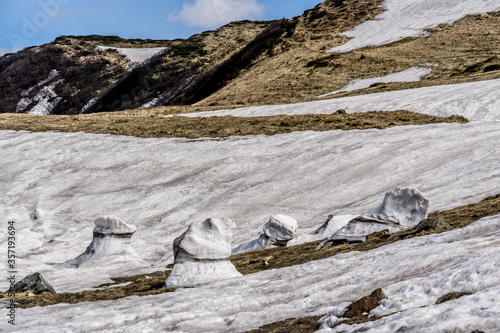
[
  {"x": 134, "y": 55},
  {"x": 408, "y": 75},
  {"x": 410, "y": 18}
]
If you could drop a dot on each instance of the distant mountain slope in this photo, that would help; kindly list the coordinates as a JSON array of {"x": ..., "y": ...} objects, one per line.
[
  {"x": 259, "y": 63},
  {"x": 73, "y": 75}
]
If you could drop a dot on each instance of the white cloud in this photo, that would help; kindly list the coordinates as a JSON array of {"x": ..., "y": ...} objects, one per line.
[{"x": 211, "y": 13}]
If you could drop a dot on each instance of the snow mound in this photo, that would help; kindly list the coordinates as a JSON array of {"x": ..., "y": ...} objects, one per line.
[
  {"x": 109, "y": 225},
  {"x": 202, "y": 254},
  {"x": 410, "y": 18},
  {"x": 110, "y": 245},
  {"x": 278, "y": 231},
  {"x": 408, "y": 75},
  {"x": 401, "y": 208}
]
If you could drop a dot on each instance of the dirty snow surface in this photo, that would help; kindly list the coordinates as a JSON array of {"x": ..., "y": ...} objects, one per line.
[
  {"x": 56, "y": 184},
  {"x": 410, "y": 18}
]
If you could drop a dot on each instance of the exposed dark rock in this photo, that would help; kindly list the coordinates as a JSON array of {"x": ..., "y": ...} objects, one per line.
[
  {"x": 35, "y": 283},
  {"x": 365, "y": 304}
]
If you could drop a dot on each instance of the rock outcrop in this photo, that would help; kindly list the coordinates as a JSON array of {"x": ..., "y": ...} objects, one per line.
[
  {"x": 401, "y": 209},
  {"x": 365, "y": 304},
  {"x": 35, "y": 283},
  {"x": 111, "y": 244},
  {"x": 202, "y": 254},
  {"x": 278, "y": 231}
]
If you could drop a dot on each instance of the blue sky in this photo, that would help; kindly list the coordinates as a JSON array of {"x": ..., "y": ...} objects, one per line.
[{"x": 34, "y": 22}]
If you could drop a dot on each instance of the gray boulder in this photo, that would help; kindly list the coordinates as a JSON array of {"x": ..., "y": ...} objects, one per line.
[{"x": 35, "y": 283}]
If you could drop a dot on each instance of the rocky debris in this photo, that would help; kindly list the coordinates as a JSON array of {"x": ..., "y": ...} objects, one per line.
[
  {"x": 35, "y": 283},
  {"x": 278, "y": 231},
  {"x": 202, "y": 254},
  {"x": 378, "y": 235},
  {"x": 401, "y": 209},
  {"x": 111, "y": 242},
  {"x": 365, "y": 304},
  {"x": 434, "y": 224},
  {"x": 451, "y": 296}
]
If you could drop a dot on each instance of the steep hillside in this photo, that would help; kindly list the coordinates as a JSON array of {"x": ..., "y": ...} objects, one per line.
[
  {"x": 300, "y": 69},
  {"x": 72, "y": 75},
  {"x": 249, "y": 63}
]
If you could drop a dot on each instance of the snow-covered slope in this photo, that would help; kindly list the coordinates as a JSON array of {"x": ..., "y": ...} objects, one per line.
[
  {"x": 413, "y": 273},
  {"x": 54, "y": 185},
  {"x": 410, "y": 18},
  {"x": 475, "y": 101},
  {"x": 57, "y": 184}
]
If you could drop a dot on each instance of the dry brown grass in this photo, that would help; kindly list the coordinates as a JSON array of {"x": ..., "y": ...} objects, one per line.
[
  {"x": 300, "y": 69},
  {"x": 140, "y": 285},
  {"x": 148, "y": 124},
  {"x": 252, "y": 262}
]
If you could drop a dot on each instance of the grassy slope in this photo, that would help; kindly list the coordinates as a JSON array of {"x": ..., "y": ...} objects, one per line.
[{"x": 300, "y": 69}]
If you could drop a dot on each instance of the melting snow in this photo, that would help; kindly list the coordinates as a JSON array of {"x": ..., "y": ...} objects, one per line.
[
  {"x": 408, "y": 75},
  {"x": 410, "y": 18}
]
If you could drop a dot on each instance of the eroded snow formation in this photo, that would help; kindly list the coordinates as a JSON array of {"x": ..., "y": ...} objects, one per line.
[
  {"x": 278, "y": 231},
  {"x": 111, "y": 244},
  {"x": 202, "y": 254},
  {"x": 402, "y": 208}
]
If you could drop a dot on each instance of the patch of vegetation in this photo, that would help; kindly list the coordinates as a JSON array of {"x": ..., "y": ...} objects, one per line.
[
  {"x": 140, "y": 285},
  {"x": 155, "y": 126}
]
